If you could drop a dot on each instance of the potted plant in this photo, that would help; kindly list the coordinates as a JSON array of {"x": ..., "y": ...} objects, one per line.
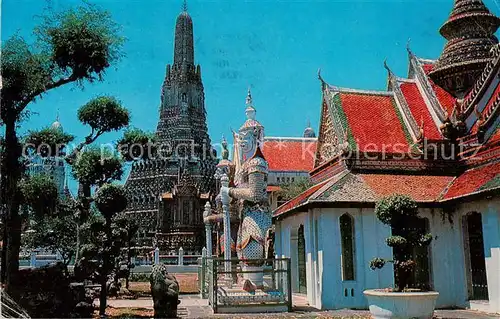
[{"x": 405, "y": 300}]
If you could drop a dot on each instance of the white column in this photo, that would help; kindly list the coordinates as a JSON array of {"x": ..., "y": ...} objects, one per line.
[
  {"x": 208, "y": 230},
  {"x": 180, "y": 260},
  {"x": 157, "y": 256},
  {"x": 33, "y": 259},
  {"x": 227, "y": 229}
]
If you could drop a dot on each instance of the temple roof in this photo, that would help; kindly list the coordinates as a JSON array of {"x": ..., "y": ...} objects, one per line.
[
  {"x": 474, "y": 180},
  {"x": 349, "y": 188},
  {"x": 419, "y": 110},
  {"x": 289, "y": 154},
  {"x": 412, "y": 111},
  {"x": 363, "y": 121}
]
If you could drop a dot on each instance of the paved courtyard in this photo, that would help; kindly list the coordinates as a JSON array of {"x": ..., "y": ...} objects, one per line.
[{"x": 192, "y": 306}]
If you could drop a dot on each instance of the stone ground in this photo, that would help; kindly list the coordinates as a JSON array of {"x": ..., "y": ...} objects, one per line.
[{"x": 193, "y": 307}]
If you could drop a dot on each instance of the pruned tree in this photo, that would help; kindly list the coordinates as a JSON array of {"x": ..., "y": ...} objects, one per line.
[
  {"x": 74, "y": 46},
  {"x": 129, "y": 228},
  {"x": 400, "y": 212},
  {"x": 110, "y": 199},
  {"x": 103, "y": 114},
  {"x": 55, "y": 232}
]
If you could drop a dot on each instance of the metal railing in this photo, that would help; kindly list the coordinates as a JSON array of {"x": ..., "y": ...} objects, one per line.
[{"x": 218, "y": 285}]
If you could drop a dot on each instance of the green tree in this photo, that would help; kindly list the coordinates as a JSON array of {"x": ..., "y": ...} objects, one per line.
[
  {"x": 295, "y": 188},
  {"x": 400, "y": 212},
  {"x": 129, "y": 227},
  {"x": 74, "y": 46},
  {"x": 103, "y": 114},
  {"x": 110, "y": 199},
  {"x": 55, "y": 232}
]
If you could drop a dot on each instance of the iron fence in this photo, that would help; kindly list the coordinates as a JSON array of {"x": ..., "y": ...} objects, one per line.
[{"x": 223, "y": 288}]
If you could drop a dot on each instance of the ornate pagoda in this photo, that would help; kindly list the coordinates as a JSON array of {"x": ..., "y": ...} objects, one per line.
[
  {"x": 470, "y": 31},
  {"x": 166, "y": 193}
]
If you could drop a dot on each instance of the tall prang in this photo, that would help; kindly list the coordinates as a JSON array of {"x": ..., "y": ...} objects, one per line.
[
  {"x": 182, "y": 110},
  {"x": 166, "y": 193}
]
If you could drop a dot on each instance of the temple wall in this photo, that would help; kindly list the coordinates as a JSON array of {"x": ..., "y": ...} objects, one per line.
[
  {"x": 490, "y": 216},
  {"x": 447, "y": 270},
  {"x": 286, "y": 243},
  {"x": 327, "y": 290}
]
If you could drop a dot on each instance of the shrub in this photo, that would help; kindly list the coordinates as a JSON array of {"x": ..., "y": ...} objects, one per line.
[{"x": 401, "y": 213}]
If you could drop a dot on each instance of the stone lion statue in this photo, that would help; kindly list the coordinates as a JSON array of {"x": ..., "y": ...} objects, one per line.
[{"x": 165, "y": 292}]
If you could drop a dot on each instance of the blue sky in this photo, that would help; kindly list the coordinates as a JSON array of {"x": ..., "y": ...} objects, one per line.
[{"x": 276, "y": 47}]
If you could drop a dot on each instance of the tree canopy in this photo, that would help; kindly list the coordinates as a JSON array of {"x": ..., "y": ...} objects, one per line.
[
  {"x": 39, "y": 192},
  {"x": 104, "y": 114},
  {"x": 110, "y": 199},
  {"x": 95, "y": 166},
  {"x": 47, "y": 141},
  {"x": 71, "y": 46},
  {"x": 136, "y": 144}
]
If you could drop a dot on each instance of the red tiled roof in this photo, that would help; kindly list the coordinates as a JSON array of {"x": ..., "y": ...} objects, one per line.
[
  {"x": 494, "y": 96},
  {"x": 290, "y": 155},
  {"x": 445, "y": 99},
  {"x": 273, "y": 188},
  {"x": 419, "y": 187},
  {"x": 373, "y": 121},
  {"x": 472, "y": 180},
  {"x": 419, "y": 110},
  {"x": 300, "y": 199}
]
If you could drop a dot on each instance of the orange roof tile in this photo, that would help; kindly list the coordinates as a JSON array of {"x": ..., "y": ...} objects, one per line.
[
  {"x": 472, "y": 180},
  {"x": 419, "y": 187},
  {"x": 419, "y": 110},
  {"x": 273, "y": 188},
  {"x": 374, "y": 122},
  {"x": 290, "y": 154}
]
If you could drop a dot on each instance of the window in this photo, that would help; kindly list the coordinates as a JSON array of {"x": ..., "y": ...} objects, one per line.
[{"x": 347, "y": 243}]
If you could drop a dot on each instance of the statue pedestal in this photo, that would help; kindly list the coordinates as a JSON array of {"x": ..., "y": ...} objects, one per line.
[
  {"x": 257, "y": 277},
  {"x": 237, "y": 300}
]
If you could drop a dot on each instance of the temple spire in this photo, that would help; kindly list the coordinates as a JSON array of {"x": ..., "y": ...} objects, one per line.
[
  {"x": 184, "y": 6},
  {"x": 470, "y": 31},
  {"x": 184, "y": 47},
  {"x": 248, "y": 100},
  {"x": 250, "y": 109}
]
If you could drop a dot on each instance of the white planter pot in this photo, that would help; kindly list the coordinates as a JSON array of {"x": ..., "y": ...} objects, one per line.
[
  {"x": 401, "y": 305},
  {"x": 257, "y": 278}
]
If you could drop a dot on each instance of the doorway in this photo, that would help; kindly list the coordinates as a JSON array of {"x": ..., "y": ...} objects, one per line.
[
  {"x": 474, "y": 246},
  {"x": 301, "y": 254}
]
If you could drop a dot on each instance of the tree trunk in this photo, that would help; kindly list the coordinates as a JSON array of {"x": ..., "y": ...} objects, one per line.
[
  {"x": 105, "y": 269},
  {"x": 4, "y": 249},
  {"x": 84, "y": 193},
  {"x": 129, "y": 256},
  {"x": 11, "y": 173},
  {"x": 77, "y": 250}
]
